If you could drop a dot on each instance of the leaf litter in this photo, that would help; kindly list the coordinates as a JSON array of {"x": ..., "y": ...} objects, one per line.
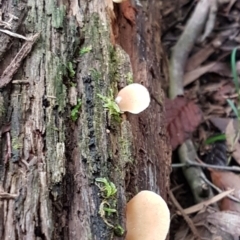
[{"x": 204, "y": 74}]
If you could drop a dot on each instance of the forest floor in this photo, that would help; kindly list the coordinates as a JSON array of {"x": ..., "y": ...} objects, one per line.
[{"x": 202, "y": 40}]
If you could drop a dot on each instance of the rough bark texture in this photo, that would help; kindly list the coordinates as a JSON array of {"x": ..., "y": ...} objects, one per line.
[{"x": 54, "y": 161}]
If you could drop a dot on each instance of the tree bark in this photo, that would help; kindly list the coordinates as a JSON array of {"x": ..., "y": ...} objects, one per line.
[{"x": 50, "y": 162}]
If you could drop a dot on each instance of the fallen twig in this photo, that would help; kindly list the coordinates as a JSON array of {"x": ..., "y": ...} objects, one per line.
[
  {"x": 219, "y": 190},
  {"x": 185, "y": 216},
  {"x": 16, "y": 35},
  {"x": 9, "y": 147},
  {"x": 184, "y": 45},
  {"x": 4, "y": 195},
  {"x": 198, "y": 207},
  {"x": 204, "y": 11},
  {"x": 15, "y": 64},
  {"x": 200, "y": 190},
  {"x": 204, "y": 165}
]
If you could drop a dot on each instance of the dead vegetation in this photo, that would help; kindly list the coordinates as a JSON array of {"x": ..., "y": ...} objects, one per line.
[{"x": 202, "y": 39}]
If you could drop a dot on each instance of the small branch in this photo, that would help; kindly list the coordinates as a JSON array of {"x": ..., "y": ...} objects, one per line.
[
  {"x": 200, "y": 206},
  {"x": 20, "y": 82},
  {"x": 219, "y": 190},
  {"x": 16, "y": 62},
  {"x": 199, "y": 188},
  {"x": 9, "y": 148},
  {"x": 203, "y": 165},
  {"x": 15, "y": 35},
  {"x": 7, "y": 24},
  {"x": 4, "y": 195},
  {"x": 185, "y": 216},
  {"x": 184, "y": 45},
  {"x": 210, "y": 20}
]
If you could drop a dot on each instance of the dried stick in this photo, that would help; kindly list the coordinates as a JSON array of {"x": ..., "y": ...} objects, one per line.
[
  {"x": 5, "y": 195},
  {"x": 219, "y": 190},
  {"x": 16, "y": 62},
  {"x": 204, "y": 165},
  {"x": 186, "y": 217},
  {"x": 184, "y": 45},
  {"x": 198, "y": 207},
  {"x": 16, "y": 35}
]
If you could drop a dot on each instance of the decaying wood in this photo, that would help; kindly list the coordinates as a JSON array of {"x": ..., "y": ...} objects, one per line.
[
  {"x": 55, "y": 160},
  {"x": 15, "y": 64},
  {"x": 148, "y": 67}
]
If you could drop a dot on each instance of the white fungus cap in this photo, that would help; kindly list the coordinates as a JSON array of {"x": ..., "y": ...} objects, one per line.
[
  {"x": 147, "y": 217},
  {"x": 118, "y": 1},
  {"x": 133, "y": 98}
]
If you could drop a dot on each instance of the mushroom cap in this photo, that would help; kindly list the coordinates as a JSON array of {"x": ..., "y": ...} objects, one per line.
[
  {"x": 148, "y": 217},
  {"x": 133, "y": 98},
  {"x": 118, "y": 1}
]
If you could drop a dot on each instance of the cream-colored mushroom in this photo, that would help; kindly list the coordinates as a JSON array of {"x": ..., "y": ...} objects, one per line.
[
  {"x": 148, "y": 217},
  {"x": 118, "y": 1},
  {"x": 133, "y": 98}
]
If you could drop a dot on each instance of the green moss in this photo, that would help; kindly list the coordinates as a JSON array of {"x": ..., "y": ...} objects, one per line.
[
  {"x": 125, "y": 143},
  {"x": 61, "y": 90},
  {"x": 113, "y": 65},
  {"x": 85, "y": 50},
  {"x": 99, "y": 86},
  {"x": 108, "y": 205},
  {"x": 96, "y": 75},
  {"x": 118, "y": 231},
  {"x": 75, "y": 110},
  {"x": 2, "y": 108},
  {"x": 111, "y": 106},
  {"x": 54, "y": 79},
  {"x": 119, "y": 65},
  {"x": 129, "y": 77},
  {"x": 58, "y": 15},
  {"x": 109, "y": 189},
  {"x": 16, "y": 144},
  {"x": 71, "y": 70}
]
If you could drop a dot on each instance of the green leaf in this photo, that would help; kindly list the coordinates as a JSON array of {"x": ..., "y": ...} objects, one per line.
[
  {"x": 234, "y": 69},
  {"x": 232, "y": 105},
  {"x": 216, "y": 138},
  {"x": 109, "y": 210}
]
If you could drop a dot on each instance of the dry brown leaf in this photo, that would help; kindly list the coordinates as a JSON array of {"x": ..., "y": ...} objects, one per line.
[
  {"x": 236, "y": 152},
  {"x": 229, "y": 7},
  {"x": 227, "y": 180},
  {"x": 222, "y": 123},
  {"x": 182, "y": 118},
  {"x": 220, "y": 68},
  {"x": 212, "y": 86},
  {"x": 198, "y": 58},
  {"x": 189, "y": 77},
  {"x": 232, "y": 137},
  {"x": 202, "y": 55},
  {"x": 230, "y": 127},
  {"x": 205, "y": 229},
  {"x": 229, "y": 205},
  {"x": 222, "y": 93},
  {"x": 213, "y": 109},
  {"x": 204, "y": 204},
  {"x": 227, "y": 221}
]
